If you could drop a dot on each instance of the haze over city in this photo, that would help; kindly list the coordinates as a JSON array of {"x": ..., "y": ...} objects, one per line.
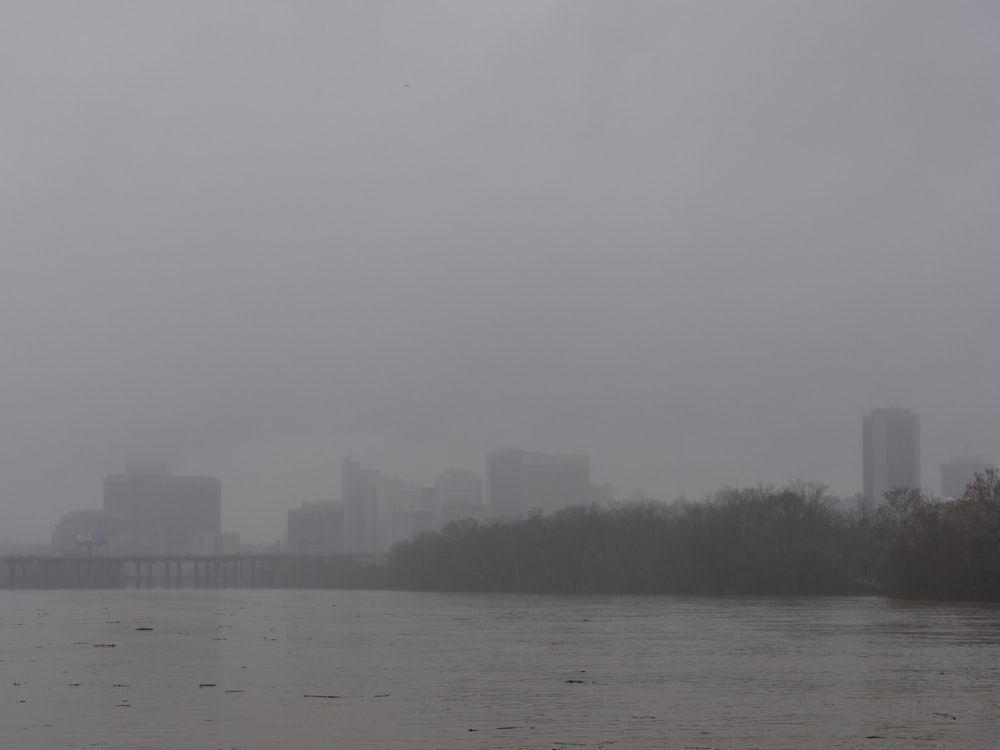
[{"x": 694, "y": 241}]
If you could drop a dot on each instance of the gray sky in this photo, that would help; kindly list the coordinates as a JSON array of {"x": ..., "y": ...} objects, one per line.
[{"x": 697, "y": 240}]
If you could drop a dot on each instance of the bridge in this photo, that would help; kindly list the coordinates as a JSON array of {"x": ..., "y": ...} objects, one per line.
[{"x": 191, "y": 571}]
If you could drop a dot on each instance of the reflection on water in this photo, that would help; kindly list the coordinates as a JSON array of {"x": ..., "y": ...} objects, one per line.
[{"x": 296, "y": 669}]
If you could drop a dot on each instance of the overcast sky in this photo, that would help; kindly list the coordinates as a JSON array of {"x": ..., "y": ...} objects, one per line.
[{"x": 696, "y": 240}]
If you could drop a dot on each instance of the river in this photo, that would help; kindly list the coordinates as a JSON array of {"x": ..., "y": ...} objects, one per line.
[{"x": 346, "y": 669}]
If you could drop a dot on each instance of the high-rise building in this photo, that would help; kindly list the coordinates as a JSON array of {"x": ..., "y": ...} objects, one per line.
[
  {"x": 958, "y": 473},
  {"x": 357, "y": 488},
  {"x": 522, "y": 481},
  {"x": 161, "y": 512},
  {"x": 891, "y": 452}
]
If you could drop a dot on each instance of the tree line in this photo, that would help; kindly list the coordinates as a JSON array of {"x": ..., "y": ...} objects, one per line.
[
  {"x": 936, "y": 549},
  {"x": 760, "y": 540}
]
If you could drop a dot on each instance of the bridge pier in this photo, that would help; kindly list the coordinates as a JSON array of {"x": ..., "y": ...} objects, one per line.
[{"x": 209, "y": 571}]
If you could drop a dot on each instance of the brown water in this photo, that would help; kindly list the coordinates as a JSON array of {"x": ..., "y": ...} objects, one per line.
[{"x": 233, "y": 669}]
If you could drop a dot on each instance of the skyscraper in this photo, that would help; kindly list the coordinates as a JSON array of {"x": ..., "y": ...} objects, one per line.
[{"x": 891, "y": 448}]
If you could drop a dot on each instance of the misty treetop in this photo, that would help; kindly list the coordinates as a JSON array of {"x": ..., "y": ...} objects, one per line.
[
  {"x": 743, "y": 541},
  {"x": 938, "y": 549},
  {"x": 789, "y": 541}
]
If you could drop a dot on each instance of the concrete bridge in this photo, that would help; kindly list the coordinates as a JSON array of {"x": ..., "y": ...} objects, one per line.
[{"x": 190, "y": 571}]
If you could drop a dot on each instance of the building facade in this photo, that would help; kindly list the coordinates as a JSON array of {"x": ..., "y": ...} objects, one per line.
[
  {"x": 357, "y": 487},
  {"x": 519, "y": 482},
  {"x": 160, "y": 513},
  {"x": 461, "y": 487},
  {"x": 891, "y": 452},
  {"x": 316, "y": 529},
  {"x": 403, "y": 510}
]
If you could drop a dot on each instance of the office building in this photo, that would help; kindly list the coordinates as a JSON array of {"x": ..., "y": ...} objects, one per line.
[
  {"x": 161, "y": 513},
  {"x": 402, "y": 511},
  {"x": 519, "y": 482},
  {"x": 316, "y": 529},
  {"x": 459, "y": 486},
  {"x": 891, "y": 452},
  {"x": 357, "y": 487}
]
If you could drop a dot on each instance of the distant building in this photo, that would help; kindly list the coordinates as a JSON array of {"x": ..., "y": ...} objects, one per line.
[
  {"x": 602, "y": 494},
  {"x": 458, "y": 510},
  {"x": 459, "y": 486},
  {"x": 381, "y": 510},
  {"x": 891, "y": 452},
  {"x": 958, "y": 473},
  {"x": 402, "y": 511},
  {"x": 519, "y": 481},
  {"x": 161, "y": 513},
  {"x": 86, "y": 532},
  {"x": 209, "y": 543},
  {"x": 316, "y": 529},
  {"x": 357, "y": 487}
]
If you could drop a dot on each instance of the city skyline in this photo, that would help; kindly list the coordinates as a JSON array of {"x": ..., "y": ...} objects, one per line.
[
  {"x": 696, "y": 255},
  {"x": 476, "y": 373},
  {"x": 362, "y": 511}
]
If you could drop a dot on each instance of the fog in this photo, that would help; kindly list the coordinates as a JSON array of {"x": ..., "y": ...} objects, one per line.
[{"x": 696, "y": 240}]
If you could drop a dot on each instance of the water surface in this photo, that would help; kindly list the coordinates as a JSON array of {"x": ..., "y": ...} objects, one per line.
[{"x": 233, "y": 669}]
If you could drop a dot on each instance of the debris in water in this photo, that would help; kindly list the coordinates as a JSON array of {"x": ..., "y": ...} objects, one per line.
[
  {"x": 206, "y": 684},
  {"x": 104, "y": 645},
  {"x": 143, "y": 628},
  {"x": 312, "y": 695}
]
